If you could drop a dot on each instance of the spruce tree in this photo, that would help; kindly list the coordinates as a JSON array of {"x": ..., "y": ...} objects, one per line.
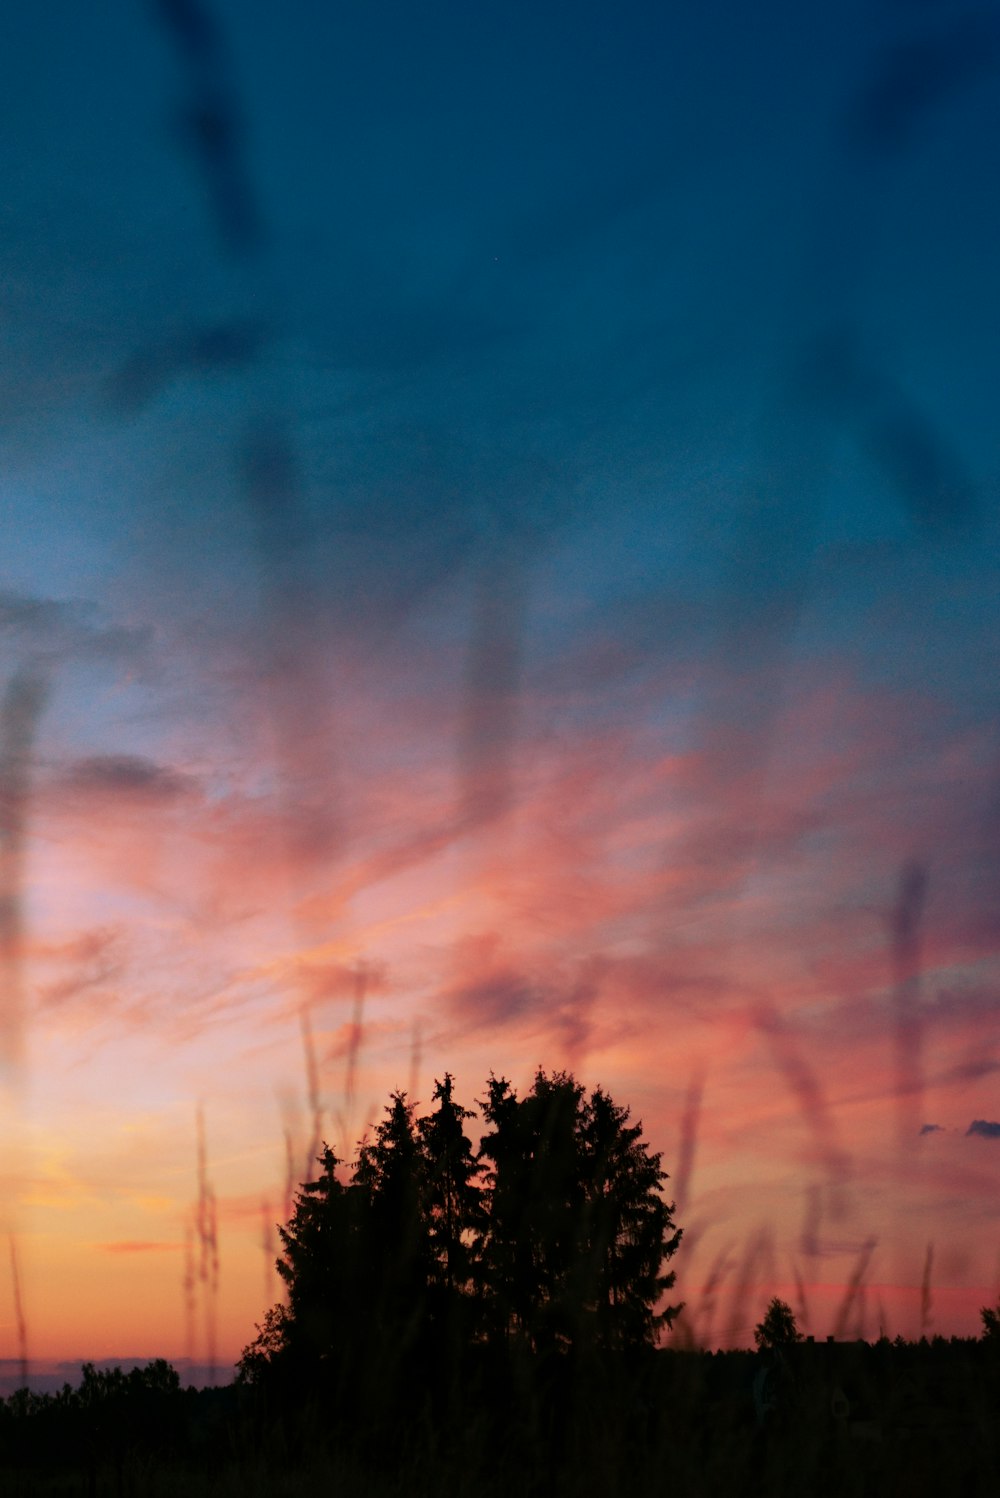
[
  {"x": 630, "y": 1233},
  {"x": 579, "y": 1231},
  {"x": 389, "y": 1183},
  {"x": 320, "y": 1263},
  {"x": 452, "y": 1197}
]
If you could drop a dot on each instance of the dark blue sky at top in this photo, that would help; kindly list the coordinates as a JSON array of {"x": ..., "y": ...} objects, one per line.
[{"x": 669, "y": 326}]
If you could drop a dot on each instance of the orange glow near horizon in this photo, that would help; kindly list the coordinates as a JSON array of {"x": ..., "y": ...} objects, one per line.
[
  {"x": 563, "y": 936},
  {"x": 717, "y": 902}
]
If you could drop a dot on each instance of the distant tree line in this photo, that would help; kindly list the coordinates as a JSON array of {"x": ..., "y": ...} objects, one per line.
[
  {"x": 551, "y": 1238},
  {"x": 890, "y": 1417}
]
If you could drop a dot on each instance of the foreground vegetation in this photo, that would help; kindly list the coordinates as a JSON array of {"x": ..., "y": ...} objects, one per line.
[
  {"x": 482, "y": 1323},
  {"x": 819, "y": 1419},
  {"x": 551, "y": 1238}
]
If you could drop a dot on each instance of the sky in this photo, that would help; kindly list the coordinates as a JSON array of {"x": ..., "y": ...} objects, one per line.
[{"x": 500, "y": 569}]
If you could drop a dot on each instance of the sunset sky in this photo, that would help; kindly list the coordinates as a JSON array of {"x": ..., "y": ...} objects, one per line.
[{"x": 500, "y": 567}]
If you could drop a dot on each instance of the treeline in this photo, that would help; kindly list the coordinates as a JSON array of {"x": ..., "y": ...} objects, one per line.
[
  {"x": 913, "y": 1418},
  {"x": 111, "y": 1419},
  {"x": 552, "y": 1237}
]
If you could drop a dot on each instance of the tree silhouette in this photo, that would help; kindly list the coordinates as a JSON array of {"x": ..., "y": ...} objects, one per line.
[
  {"x": 990, "y": 1316},
  {"x": 578, "y": 1228},
  {"x": 452, "y": 1200},
  {"x": 630, "y": 1226},
  {"x": 321, "y": 1264},
  {"x": 389, "y": 1188},
  {"x": 778, "y": 1328},
  {"x": 260, "y": 1355},
  {"x": 518, "y": 1239},
  {"x": 562, "y": 1247}
]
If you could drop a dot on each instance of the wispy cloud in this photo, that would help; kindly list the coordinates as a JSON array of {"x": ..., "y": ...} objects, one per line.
[
  {"x": 126, "y": 777},
  {"x": 55, "y": 632}
]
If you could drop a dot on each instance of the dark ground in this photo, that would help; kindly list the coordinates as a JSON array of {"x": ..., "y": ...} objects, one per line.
[{"x": 852, "y": 1419}]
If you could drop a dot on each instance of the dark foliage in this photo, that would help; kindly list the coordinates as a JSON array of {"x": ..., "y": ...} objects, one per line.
[
  {"x": 778, "y": 1328},
  {"x": 551, "y": 1241},
  {"x": 991, "y": 1324},
  {"x": 843, "y": 1418},
  {"x": 487, "y": 1324},
  {"x": 577, "y": 1230}
]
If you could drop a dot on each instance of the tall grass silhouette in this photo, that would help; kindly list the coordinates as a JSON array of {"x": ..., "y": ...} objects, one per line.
[
  {"x": 927, "y": 1292},
  {"x": 206, "y": 1222},
  {"x": 20, "y": 711},
  {"x": 20, "y": 1321},
  {"x": 906, "y": 923},
  {"x": 850, "y": 1314}
]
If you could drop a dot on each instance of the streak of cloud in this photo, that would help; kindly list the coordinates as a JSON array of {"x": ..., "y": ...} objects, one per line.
[
  {"x": 313, "y": 1095},
  {"x": 915, "y": 75},
  {"x": 355, "y": 1040},
  {"x": 806, "y": 1088},
  {"x": 268, "y": 1247},
  {"x": 95, "y": 958},
  {"x": 906, "y": 925},
  {"x": 801, "y": 1299},
  {"x": 211, "y": 122},
  {"x": 220, "y": 348},
  {"x": 574, "y": 1017},
  {"x": 927, "y": 1292},
  {"x": 130, "y": 777},
  {"x": 718, "y": 1271},
  {"x": 852, "y": 1301},
  {"x": 291, "y": 1117},
  {"x": 20, "y": 711},
  {"x": 905, "y": 441},
  {"x": 756, "y": 1266},
  {"x": 690, "y": 1118},
  {"x": 812, "y": 1221},
  {"x": 53, "y": 632},
  {"x": 416, "y": 1057}
]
